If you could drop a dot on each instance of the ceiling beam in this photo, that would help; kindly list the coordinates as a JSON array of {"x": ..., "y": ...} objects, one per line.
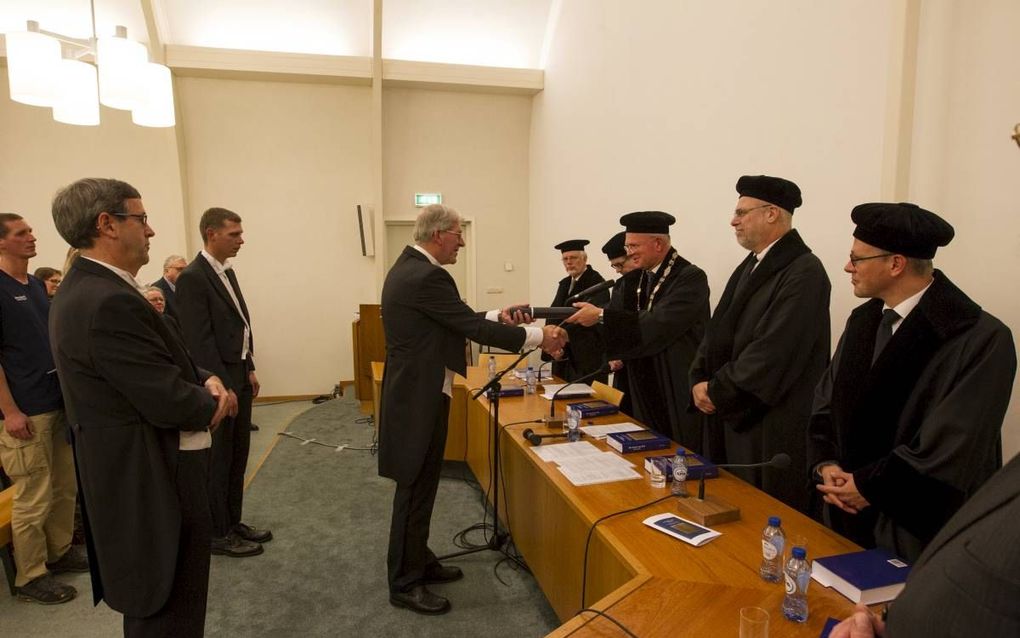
[{"x": 158, "y": 28}]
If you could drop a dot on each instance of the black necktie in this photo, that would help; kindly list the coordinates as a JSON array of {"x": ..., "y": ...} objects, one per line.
[{"x": 884, "y": 333}]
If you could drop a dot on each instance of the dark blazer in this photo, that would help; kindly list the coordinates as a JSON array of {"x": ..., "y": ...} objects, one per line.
[
  {"x": 967, "y": 581},
  {"x": 425, "y": 323},
  {"x": 129, "y": 389},
  {"x": 213, "y": 329},
  {"x": 169, "y": 295}
]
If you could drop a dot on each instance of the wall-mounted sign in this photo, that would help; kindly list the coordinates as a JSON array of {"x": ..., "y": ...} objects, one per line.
[{"x": 422, "y": 200}]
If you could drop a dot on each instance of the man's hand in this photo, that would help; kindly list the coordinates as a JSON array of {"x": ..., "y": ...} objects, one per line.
[
  {"x": 615, "y": 365},
  {"x": 862, "y": 624},
  {"x": 840, "y": 490},
  {"x": 587, "y": 315},
  {"x": 223, "y": 402},
  {"x": 18, "y": 425},
  {"x": 701, "y": 399},
  {"x": 234, "y": 403},
  {"x": 515, "y": 318},
  {"x": 254, "y": 381},
  {"x": 554, "y": 339}
]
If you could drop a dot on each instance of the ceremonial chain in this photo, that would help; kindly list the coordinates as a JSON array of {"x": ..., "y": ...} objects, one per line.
[{"x": 665, "y": 273}]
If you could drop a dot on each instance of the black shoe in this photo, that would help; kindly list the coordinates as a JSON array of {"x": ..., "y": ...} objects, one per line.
[
  {"x": 234, "y": 546},
  {"x": 253, "y": 534},
  {"x": 46, "y": 590},
  {"x": 436, "y": 574},
  {"x": 420, "y": 600},
  {"x": 74, "y": 560},
  {"x": 253, "y": 427}
]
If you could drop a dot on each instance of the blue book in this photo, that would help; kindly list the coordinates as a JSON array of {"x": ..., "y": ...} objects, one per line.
[
  {"x": 594, "y": 408},
  {"x": 637, "y": 441},
  {"x": 696, "y": 466},
  {"x": 869, "y": 577}
]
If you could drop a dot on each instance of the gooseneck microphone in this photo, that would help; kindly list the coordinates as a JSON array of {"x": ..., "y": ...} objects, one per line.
[
  {"x": 780, "y": 461},
  {"x": 551, "y": 420},
  {"x": 591, "y": 290},
  {"x": 536, "y": 439}
]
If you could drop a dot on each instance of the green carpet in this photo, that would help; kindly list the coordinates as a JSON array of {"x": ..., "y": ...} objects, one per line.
[{"x": 324, "y": 574}]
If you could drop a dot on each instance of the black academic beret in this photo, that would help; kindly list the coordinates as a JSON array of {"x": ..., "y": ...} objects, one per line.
[
  {"x": 774, "y": 190},
  {"x": 571, "y": 244},
  {"x": 614, "y": 247},
  {"x": 905, "y": 229},
  {"x": 648, "y": 221}
]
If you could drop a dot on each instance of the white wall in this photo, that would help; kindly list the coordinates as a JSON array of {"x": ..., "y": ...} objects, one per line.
[
  {"x": 292, "y": 161},
  {"x": 663, "y": 105}
]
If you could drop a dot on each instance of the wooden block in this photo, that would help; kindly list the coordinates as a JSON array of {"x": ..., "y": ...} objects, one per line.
[{"x": 710, "y": 511}]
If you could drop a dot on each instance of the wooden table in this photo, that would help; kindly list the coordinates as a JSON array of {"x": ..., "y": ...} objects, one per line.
[{"x": 645, "y": 579}]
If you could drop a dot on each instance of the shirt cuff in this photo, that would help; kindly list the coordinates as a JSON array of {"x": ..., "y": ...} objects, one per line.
[
  {"x": 492, "y": 315},
  {"x": 533, "y": 338}
]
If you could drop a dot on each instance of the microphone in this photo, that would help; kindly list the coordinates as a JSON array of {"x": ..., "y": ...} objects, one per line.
[
  {"x": 536, "y": 439},
  {"x": 780, "y": 461},
  {"x": 551, "y": 420},
  {"x": 591, "y": 290}
]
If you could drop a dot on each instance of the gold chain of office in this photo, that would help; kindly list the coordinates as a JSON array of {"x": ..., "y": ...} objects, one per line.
[{"x": 658, "y": 284}]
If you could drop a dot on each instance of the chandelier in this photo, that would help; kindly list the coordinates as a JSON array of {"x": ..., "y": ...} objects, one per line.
[{"x": 49, "y": 69}]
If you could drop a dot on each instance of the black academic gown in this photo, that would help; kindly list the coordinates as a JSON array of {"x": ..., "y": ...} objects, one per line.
[
  {"x": 624, "y": 295},
  {"x": 919, "y": 429},
  {"x": 585, "y": 353},
  {"x": 658, "y": 343},
  {"x": 763, "y": 353}
]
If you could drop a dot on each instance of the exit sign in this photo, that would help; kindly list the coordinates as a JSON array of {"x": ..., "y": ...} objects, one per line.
[{"x": 427, "y": 199}]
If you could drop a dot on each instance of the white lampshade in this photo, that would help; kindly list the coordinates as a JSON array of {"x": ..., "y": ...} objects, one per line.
[
  {"x": 120, "y": 62},
  {"x": 32, "y": 59},
  {"x": 156, "y": 107},
  {"x": 77, "y": 99}
]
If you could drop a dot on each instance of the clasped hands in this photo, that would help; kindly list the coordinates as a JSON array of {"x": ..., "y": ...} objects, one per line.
[
  {"x": 840, "y": 490},
  {"x": 554, "y": 338}
]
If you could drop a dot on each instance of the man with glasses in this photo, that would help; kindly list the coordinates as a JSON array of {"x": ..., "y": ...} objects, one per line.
[
  {"x": 586, "y": 353},
  {"x": 172, "y": 267},
  {"x": 140, "y": 412},
  {"x": 217, "y": 331},
  {"x": 907, "y": 419},
  {"x": 655, "y": 326},
  {"x": 767, "y": 344}
]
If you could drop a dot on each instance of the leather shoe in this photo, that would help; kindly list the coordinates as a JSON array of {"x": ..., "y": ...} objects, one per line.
[
  {"x": 253, "y": 534},
  {"x": 420, "y": 600},
  {"x": 234, "y": 546},
  {"x": 436, "y": 574},
  {"x": 73, "y": 560}
]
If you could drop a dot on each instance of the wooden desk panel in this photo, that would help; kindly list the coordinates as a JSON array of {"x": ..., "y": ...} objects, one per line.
[{"x": 550, "y": 518}]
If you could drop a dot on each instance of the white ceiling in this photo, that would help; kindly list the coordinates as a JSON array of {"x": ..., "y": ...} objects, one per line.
[{"x": 508, "y": 33}]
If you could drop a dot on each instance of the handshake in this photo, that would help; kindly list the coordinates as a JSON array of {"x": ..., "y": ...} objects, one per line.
[{"x": 554, "y": 338}]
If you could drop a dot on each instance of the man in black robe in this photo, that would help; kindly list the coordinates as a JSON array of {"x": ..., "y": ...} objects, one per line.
[
  {"x": 907, "y": 419},
  {"x": 659, "y": 333},
  {"x": 585, "y": 354},
  {"x": 767, "y": 344}
]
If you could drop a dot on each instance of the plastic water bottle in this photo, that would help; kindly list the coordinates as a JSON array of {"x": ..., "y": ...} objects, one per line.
[
  {"x": 573, "y": 422},
  {"x": 492, "y": 367},
  {"x": 531, "y": 380},
  {"x": 679, "y": 485},
  {"x": 772, "y": 541},
  {"x": 798, "y": 575}
]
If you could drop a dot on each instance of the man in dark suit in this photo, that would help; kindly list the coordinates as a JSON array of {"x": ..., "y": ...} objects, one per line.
[
  {"x": 586, "y": 352},
  {"x": 217, "y": 331},
  {"x": 172, "y": 267},
  {"x": 426, "y": 324},
  {"x": 140, "y": 413},
  {"x": 767, "y": 344},
  {"x": 967, "y": 581}
]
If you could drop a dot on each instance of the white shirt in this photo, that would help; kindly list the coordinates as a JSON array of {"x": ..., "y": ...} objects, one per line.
[
  {"x": 907, "y": 306},
  {"x": 533, "y": 339},
  {"x": 761, "y": 255},
  {"x": 221, "y": 272},
  {"x": 189, "y": 440}
]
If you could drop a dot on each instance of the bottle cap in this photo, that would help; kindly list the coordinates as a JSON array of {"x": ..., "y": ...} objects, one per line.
[
  {"x": 774, "y": 521},
  {"x": 681, "y": 452},
  {"x": 799, "y": 553}
]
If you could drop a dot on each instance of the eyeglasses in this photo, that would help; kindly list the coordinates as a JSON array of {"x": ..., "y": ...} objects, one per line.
[
  {"x": 740, "y": 212},
  {"x": 144, "y": 217},
  {"x": 458, "y": 233},
  {"x": 855, "y": 260}
]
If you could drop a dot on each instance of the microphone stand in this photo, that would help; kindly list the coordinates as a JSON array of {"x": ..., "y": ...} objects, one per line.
[
  {"x": 711, "y": 510},
  {"x": 493, "y": 387}
]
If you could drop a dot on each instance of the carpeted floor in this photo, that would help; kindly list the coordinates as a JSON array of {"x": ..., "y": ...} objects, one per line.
[{"x": 324, "y": 574}]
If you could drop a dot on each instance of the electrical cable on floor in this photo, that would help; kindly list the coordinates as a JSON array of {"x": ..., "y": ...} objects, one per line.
[
  {"x": 609, "y": 618},
  {"x": 336, "y": 447},
  {"x": 591, "y": 530}
]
